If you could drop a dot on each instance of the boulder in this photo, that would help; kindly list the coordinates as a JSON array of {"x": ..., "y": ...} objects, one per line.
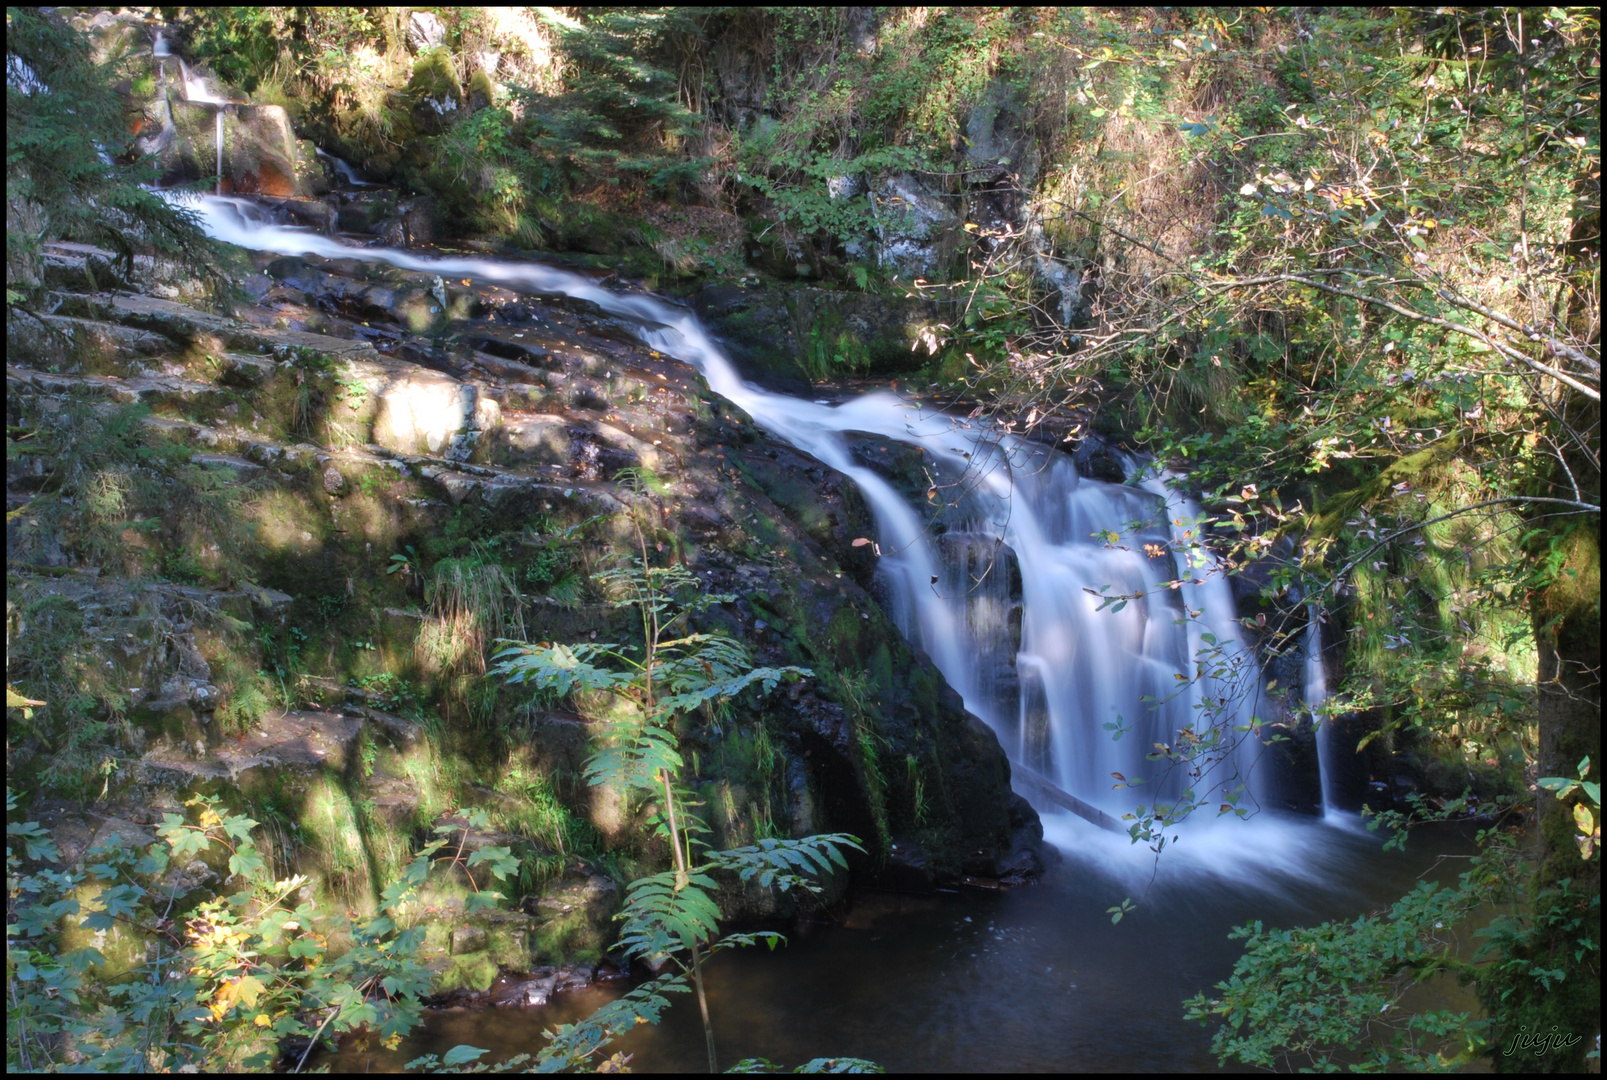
[
  {"x": 574, "y": 915},
  {"x": 468, "y": 939},
  {"x": 917, "y": 228}
]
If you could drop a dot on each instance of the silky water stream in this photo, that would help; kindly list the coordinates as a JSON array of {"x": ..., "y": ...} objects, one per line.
[{"x": 1065, "y": 611}]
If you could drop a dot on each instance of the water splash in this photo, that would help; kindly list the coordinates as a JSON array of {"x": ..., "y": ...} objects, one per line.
[
  {"x": 1078, "y": 692},
  {"x": 195, "y": 87}
]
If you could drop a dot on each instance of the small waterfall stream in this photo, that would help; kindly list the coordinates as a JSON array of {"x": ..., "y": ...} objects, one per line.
[
  {"x": 346, "y": 172},
  {"x": 1090, "y": 684},
  {"x": 197, "y": 91}
]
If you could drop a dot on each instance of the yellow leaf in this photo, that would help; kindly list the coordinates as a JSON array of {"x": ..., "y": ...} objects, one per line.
[
  {"x": 223, "y": 1000},
  {"x": 1584, "y": 819},
  {"x": 262, "y": 1020},
  {"x": 249, "y": 988}
]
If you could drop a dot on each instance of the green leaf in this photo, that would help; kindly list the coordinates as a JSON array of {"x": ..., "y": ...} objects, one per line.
[
  {"x": 246, "y": 862},
  {"x": 462, "y": 1054}
]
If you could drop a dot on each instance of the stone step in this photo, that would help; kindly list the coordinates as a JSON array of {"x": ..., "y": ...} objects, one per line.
[
  {"x": 298, "y": 741},
  {"x": 187, "y": 325}
]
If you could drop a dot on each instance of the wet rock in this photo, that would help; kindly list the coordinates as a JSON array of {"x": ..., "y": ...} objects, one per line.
[
  {"x": 1098, "y": 460},
  {"x": 540, "y": 986},
  {"x": 414, "y": 223},
  {"x": 260, "y": 153},
  {"x": 532, "y": 992},
  {"x": 1029, "y": 856},
  {"x": 908, "y": 870}
]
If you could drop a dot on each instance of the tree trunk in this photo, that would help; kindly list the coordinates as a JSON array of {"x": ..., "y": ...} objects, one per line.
[{"x": 1566, "y": 890}]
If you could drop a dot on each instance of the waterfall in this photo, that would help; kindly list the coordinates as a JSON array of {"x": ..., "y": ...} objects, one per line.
[
  {"x": 344, "y": 170},
  {"x": 1316, "y": 692},
  {"x": 196, "y": 91},
  {"x": 195, "y": 88},
  {"x": 1127, "y": 639}
]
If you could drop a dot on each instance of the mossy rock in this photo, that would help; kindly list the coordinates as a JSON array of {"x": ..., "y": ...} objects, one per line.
[
  {"x": 434, "y": 91},
  {"x": 122, "y": 946},
  {"x": 471, "y": 971}
]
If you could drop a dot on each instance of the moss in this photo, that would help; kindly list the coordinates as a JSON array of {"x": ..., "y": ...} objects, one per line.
[
  {"x": 842, "y": 636},
  {"x": 121, "y": 946},
  {"x": 469, "y": 971},
  {"x": 1575, "y": 588},
  {"x": 566, "y": 936},
  {"x": 434, "y": 78}
]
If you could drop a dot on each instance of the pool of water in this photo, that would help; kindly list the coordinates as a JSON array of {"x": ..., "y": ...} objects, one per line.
[{"x": 1037, "y": 979}]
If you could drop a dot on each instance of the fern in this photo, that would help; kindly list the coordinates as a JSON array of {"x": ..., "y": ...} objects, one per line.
[{"x": 671, "y": 916}]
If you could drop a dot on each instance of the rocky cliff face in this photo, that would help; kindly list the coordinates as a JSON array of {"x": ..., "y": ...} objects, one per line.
[{"x": 235, "y": 528}]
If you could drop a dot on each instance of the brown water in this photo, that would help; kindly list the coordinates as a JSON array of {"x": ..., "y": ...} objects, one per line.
[{"x": 1035, "y": 980}]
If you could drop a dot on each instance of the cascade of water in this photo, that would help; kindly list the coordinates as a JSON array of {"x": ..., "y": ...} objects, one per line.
[
  {"x": 1316, "y": 692},
  {"x": 347, "y": 174},
  {"x": 196, "y": 91},
  {"x": 1084, "y": 692},
  {"x": 195, "y": 88}
]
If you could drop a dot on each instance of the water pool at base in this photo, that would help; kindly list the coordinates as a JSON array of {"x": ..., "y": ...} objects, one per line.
[{"x": 1033, "y": 980}]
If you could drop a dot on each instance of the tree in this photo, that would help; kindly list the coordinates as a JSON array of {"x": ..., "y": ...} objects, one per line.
[
  {"x": 68, "y": 173},
  {"x": 1385, "y": 348}
]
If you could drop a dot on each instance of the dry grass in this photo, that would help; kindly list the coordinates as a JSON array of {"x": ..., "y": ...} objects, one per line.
[{"x": 472, "y": 602}]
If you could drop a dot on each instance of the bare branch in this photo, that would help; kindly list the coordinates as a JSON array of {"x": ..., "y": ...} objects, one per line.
[
  {"x": 1417, "y": 316},
  {"x": 1580, "y": 507}
]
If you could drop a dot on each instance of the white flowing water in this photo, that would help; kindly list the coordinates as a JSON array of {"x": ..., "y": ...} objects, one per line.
[
  {"x": 346, "y": 172},
  {"x": 197, "y": 92},
  {"x": 195, "y": 87},
  {"x": 1316, "y": 692},
  {"x": 1128, "y": 641}
]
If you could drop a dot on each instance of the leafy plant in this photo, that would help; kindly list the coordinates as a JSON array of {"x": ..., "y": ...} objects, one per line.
[
  {"x": 224, "y": 979},
  {"x": 671, "y": 916},
  {"x": 1586, "y": 812}
]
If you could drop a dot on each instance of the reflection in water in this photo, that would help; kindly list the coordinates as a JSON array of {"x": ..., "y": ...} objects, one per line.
[{"x": 1032, "y": 980}]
